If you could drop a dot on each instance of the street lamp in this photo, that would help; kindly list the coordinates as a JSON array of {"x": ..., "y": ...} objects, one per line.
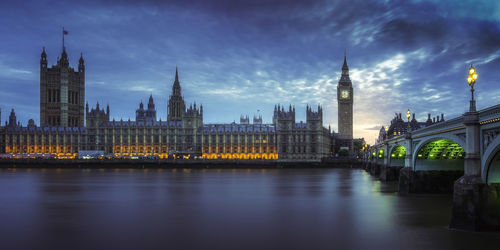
[
  {"x": 471, "y": 79},
  {"x": 408, "y": 115}
]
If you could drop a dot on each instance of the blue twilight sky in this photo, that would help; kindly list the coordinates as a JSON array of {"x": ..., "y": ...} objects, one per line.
[{"x": 236, "y": 57}]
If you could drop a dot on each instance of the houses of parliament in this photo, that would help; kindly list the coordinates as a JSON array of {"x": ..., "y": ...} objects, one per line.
[{"x": 68, "y": 126}]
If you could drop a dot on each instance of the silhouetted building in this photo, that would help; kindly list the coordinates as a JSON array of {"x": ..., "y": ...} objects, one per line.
[{"x": 399, "y": 126}]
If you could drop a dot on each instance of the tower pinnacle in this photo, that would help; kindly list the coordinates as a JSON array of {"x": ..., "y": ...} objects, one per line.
[
  {"x": 176, "y": 106},
  {"x": 345, "y": 68},
  {"x": 176, "y": 74}
]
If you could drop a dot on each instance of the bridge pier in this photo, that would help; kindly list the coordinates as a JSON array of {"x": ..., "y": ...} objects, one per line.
[
  {"x": 476, "y": 205},
  {"x": 366, "y": 166},
  {"x": 433, "y": 181},
  {"x": 388, "y": 173},
  {"x": 375, "y": 169}
]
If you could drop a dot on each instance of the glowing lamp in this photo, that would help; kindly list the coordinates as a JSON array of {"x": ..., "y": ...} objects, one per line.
[{"x": 472, "y": 77}]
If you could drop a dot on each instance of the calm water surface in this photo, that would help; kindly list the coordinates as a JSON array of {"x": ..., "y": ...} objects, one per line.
[{"x": 221, "y": 209}]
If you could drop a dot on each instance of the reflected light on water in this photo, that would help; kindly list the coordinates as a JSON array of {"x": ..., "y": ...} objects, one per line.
[{"x": 220, "y": 209}]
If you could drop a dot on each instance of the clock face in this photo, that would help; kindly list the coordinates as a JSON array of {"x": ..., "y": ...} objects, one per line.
[{"x": 344, "y": 94}]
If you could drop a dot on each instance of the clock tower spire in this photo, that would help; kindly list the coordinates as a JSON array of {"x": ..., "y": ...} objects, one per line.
[{"x": 345, "y": 103}]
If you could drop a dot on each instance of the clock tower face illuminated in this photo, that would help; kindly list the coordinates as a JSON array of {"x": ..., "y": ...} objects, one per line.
[
  {"x": 345, "y": 98},
  {"x": 344, "y": 94}
]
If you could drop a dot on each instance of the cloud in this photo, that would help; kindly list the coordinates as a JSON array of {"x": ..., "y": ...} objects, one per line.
[
  {"x": 9, "y": 72},
  {"x": 374, "y": 128},
  {"x": 238, "y": 56}
]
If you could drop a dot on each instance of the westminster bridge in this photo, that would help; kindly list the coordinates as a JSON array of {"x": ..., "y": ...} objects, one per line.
[{"x": 461, "y": 155}]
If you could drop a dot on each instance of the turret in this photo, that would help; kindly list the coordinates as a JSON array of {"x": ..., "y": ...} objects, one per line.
[
  {"x": 257, "y": 119},
  {"x": 314, "y": 115},
  {"x": 151, "y": 104},
  {"x": 64, "y": 62},
  {"x": 12, "y": 118},
  {"x": 43, "y": 59},
  {"x": 81, "y": 64},
  {"x": 96, "y": 117},
  {"x": 107, "y": 112}
]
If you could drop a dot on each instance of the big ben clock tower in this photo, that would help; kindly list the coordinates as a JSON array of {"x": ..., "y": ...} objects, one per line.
[{"x": 345, "y": 101}]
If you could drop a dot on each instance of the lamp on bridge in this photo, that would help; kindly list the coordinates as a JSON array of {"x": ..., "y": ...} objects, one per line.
[
  {"x": 471, "y": 79},
  {"x": 408, "y": 115}
]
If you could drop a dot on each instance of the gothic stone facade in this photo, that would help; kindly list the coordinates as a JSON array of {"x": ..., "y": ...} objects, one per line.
[
  {"x": 62, "y": 92},
  {"x": 183, "y": 134},
  {"x": 345, "y": 98}
]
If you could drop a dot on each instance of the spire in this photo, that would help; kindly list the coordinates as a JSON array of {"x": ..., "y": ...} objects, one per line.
[
  {"x": 44, "y": 55},
  {"x": 176, "y": 88},
  {"x": 344, "y": 78},
  {"x": 81, "y": 61},
  {"x": 176, "y": 75},
  {"x": 345, "y": 68}
]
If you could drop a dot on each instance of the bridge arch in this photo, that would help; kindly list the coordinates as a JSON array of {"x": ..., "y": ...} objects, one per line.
[
  {"x": 490, "y": 165},
  {"x": 373, "y": 154},
  {"x": 397, "y": 155},
  {"x": 379, "y": 155},
  {"x": 439, "y": 153}
]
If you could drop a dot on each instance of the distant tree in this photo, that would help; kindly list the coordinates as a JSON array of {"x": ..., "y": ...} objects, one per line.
[
  {"x": 343, "y": 152},
  {"x": 358, "y": 144}
]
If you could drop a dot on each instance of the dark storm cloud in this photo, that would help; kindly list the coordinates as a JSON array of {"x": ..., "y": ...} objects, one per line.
[{"x": 239, "y": 56}]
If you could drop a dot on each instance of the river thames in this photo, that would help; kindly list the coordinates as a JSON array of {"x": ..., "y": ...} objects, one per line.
[{"x": 221, "y": 209}]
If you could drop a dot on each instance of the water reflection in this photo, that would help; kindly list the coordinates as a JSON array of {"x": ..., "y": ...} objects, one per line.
[{"x": 220, "y": 209}]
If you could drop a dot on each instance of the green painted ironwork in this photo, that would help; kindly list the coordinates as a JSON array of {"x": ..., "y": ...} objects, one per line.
[
  {"x": 441, "y": 149},
  {"x": 398, "y": 152}
]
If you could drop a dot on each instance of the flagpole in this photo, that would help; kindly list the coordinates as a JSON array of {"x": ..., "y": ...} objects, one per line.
[{"x": 63, "y": 36}]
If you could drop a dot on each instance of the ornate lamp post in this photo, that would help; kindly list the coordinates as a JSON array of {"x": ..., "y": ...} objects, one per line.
[
  {"x": 471, "y": 79},
  {"x": 472, "y": 205},
  {"x": 408, "y": 115}
]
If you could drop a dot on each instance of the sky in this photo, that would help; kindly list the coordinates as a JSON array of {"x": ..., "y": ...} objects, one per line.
[{"x": 242, "y": 57}]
